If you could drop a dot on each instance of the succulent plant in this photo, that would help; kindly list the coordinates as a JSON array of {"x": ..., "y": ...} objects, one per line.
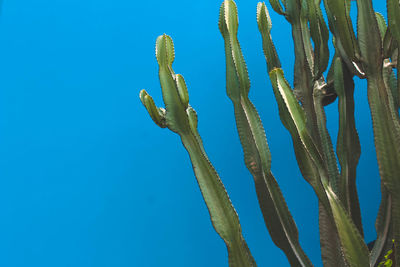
[{"x": 372, "y": 54}]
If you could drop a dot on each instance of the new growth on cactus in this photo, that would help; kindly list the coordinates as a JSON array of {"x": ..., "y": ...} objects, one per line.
[{"x": 372, "y": 54}]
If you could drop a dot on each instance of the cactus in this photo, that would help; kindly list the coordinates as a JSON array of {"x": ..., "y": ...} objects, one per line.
[{"x": 371, "y": 54}]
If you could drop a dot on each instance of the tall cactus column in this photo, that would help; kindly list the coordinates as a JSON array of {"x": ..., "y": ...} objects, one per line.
[
  {"x": 257, "y": 156},
  {"x": 180, "y": 117}
]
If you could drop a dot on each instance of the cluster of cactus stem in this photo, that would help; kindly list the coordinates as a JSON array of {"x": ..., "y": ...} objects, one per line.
[{"x": 372, "y": 54}]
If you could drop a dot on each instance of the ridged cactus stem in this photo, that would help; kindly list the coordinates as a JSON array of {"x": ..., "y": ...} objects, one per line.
[
  {"x": 348, "y": 144},
  {"x": 277, "y": 217},
  {"x": 331, "y": 253},
  {"x": 224, "y": 220},
  {"x": 385, "y": 117},
  {"x": 398, "y": 80},
  {"x": 383, "y": 226},
  {"x": 328, "y": 153},
  {"x": 181, "y": 118},
  {"x": 302, "y": 83},
  {"x": 292, "y": 115}
]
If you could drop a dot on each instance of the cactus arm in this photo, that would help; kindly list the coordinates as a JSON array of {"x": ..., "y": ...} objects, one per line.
[
  {"x": 277, "y": 217},
  {"x": 176, "y": 118},
  {"x": 179, "y": 117},
  {"x": 303, "y": 65},
  {"x": 385, "y": 118},
  {"x": 264, "y": 26},
  {"x": 341, "y": 26},
  {"x": 301, "y": 130},
  {"x": 393, "y": 11},
  {"x": 309, "y": 65},
  {"x": 293, "y": 118},
  {"x": 292, "y": 10},
  {"x": 156, "y": 114},
  {"x": 277, "y": 7},
  {"x": 386, "y": 137},
  {"x": 354, "y": 247},
  {"x": 302, "y": 80},
  {"x": 388, "y": 44},
  {"x": 348, "y": 144},
  {"x": 192, "y": 116},
  {"x": 320, "y": 36},
  {"x": 329, "y": 239},
  {"x": 398, "y": 78},
  {"x": 331, "y": 251},
  {"x": 383, "y": 228},
  {"x": 390, "y": 81},
  {"x": 389, "y": 58},
  {"x": 381, "y": 24},
  {"x": 223, "y": 216},
  {"x": 369, "y": 38},
  {"x": 306, "y": 36},
  {"x": 297, "y": 14},
  {"x": 328, "y": 153}
]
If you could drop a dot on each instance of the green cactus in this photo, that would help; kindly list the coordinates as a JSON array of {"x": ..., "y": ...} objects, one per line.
[{"x": 371, "y": 54}]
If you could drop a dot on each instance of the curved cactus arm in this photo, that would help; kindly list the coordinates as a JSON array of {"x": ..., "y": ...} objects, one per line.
[
  {"x": 277, "y": 217},
  {"x": 157, "y": 114},
  {"x": 348, "y": 144},
  {"x": 381, "y": 24},
  {"x": 179, "y": 117},
  {"x": 353, "y": 245},
  {"x": 293, "y": 118}
]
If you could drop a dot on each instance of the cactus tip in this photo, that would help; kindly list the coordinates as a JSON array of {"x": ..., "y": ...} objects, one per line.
[{"x": 165, "y": 53}]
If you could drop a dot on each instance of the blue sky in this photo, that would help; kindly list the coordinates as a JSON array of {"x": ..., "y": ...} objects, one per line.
[{"x": 87, "y": 179}]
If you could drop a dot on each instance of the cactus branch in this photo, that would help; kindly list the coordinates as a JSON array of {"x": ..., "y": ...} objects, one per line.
[{"x": 181, "y": 118}]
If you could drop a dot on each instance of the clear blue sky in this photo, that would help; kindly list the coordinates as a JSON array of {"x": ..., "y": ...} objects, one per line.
[{"x": 87, "y": 179}]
